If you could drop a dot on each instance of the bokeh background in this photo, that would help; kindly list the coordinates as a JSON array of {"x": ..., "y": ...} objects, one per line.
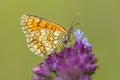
[{"x": 99, "y": 20}]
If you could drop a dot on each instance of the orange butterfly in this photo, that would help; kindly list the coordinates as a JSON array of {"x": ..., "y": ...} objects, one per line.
[{"x": 43, "y": 36}]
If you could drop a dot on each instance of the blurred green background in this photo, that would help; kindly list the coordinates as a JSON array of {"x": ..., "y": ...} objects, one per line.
[{"x": 99, "y": 19}]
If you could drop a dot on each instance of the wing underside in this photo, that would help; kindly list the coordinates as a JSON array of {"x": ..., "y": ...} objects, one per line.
[{"x": 43, "y": 37}]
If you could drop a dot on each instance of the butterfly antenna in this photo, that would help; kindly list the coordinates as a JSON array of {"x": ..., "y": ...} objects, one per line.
[{"x": 72, "y": 25}]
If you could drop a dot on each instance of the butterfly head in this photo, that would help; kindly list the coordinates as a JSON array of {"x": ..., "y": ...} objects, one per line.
[
  {"x": 66, "y": 39},
  {"x": 70, "y": 32}
]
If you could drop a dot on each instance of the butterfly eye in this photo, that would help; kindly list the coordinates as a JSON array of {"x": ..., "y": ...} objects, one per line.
[{"x": 66, "y": 39}]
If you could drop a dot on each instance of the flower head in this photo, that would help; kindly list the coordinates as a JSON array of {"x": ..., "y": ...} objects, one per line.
[{"x": 73, "y": 63}]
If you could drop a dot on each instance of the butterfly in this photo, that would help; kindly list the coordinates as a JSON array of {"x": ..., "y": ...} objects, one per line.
[{"x": 44, "y": 36}]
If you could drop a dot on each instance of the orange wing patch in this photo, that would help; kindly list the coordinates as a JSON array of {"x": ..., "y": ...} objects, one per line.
[{"x": 35, "y": 23}]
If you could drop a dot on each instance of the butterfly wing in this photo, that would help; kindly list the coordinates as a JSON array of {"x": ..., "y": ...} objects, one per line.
[{"x": 43, "y": 36}]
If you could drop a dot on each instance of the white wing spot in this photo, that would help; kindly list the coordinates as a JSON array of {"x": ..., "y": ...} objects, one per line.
[
  {"x": 43, "y": 32},
  {"x": 56, "y": 33},
  {"x": 50, "y": 46},
  {"x": 29, "y": 40},
  {"x": 35, "y": 47},
  {"x": 38, "y": 51},
  {"x": 46, "y": 44},
  {"x": 47, "y": 48},
  {"x": 55, "y": 42},
  {"x": 41, "y": 37},
  {"x": 30, "y": 20},
  {"x": 51, "y": 49}
]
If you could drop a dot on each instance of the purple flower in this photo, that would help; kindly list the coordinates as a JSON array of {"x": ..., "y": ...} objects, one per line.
[{"x": 73, "y": 63}]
